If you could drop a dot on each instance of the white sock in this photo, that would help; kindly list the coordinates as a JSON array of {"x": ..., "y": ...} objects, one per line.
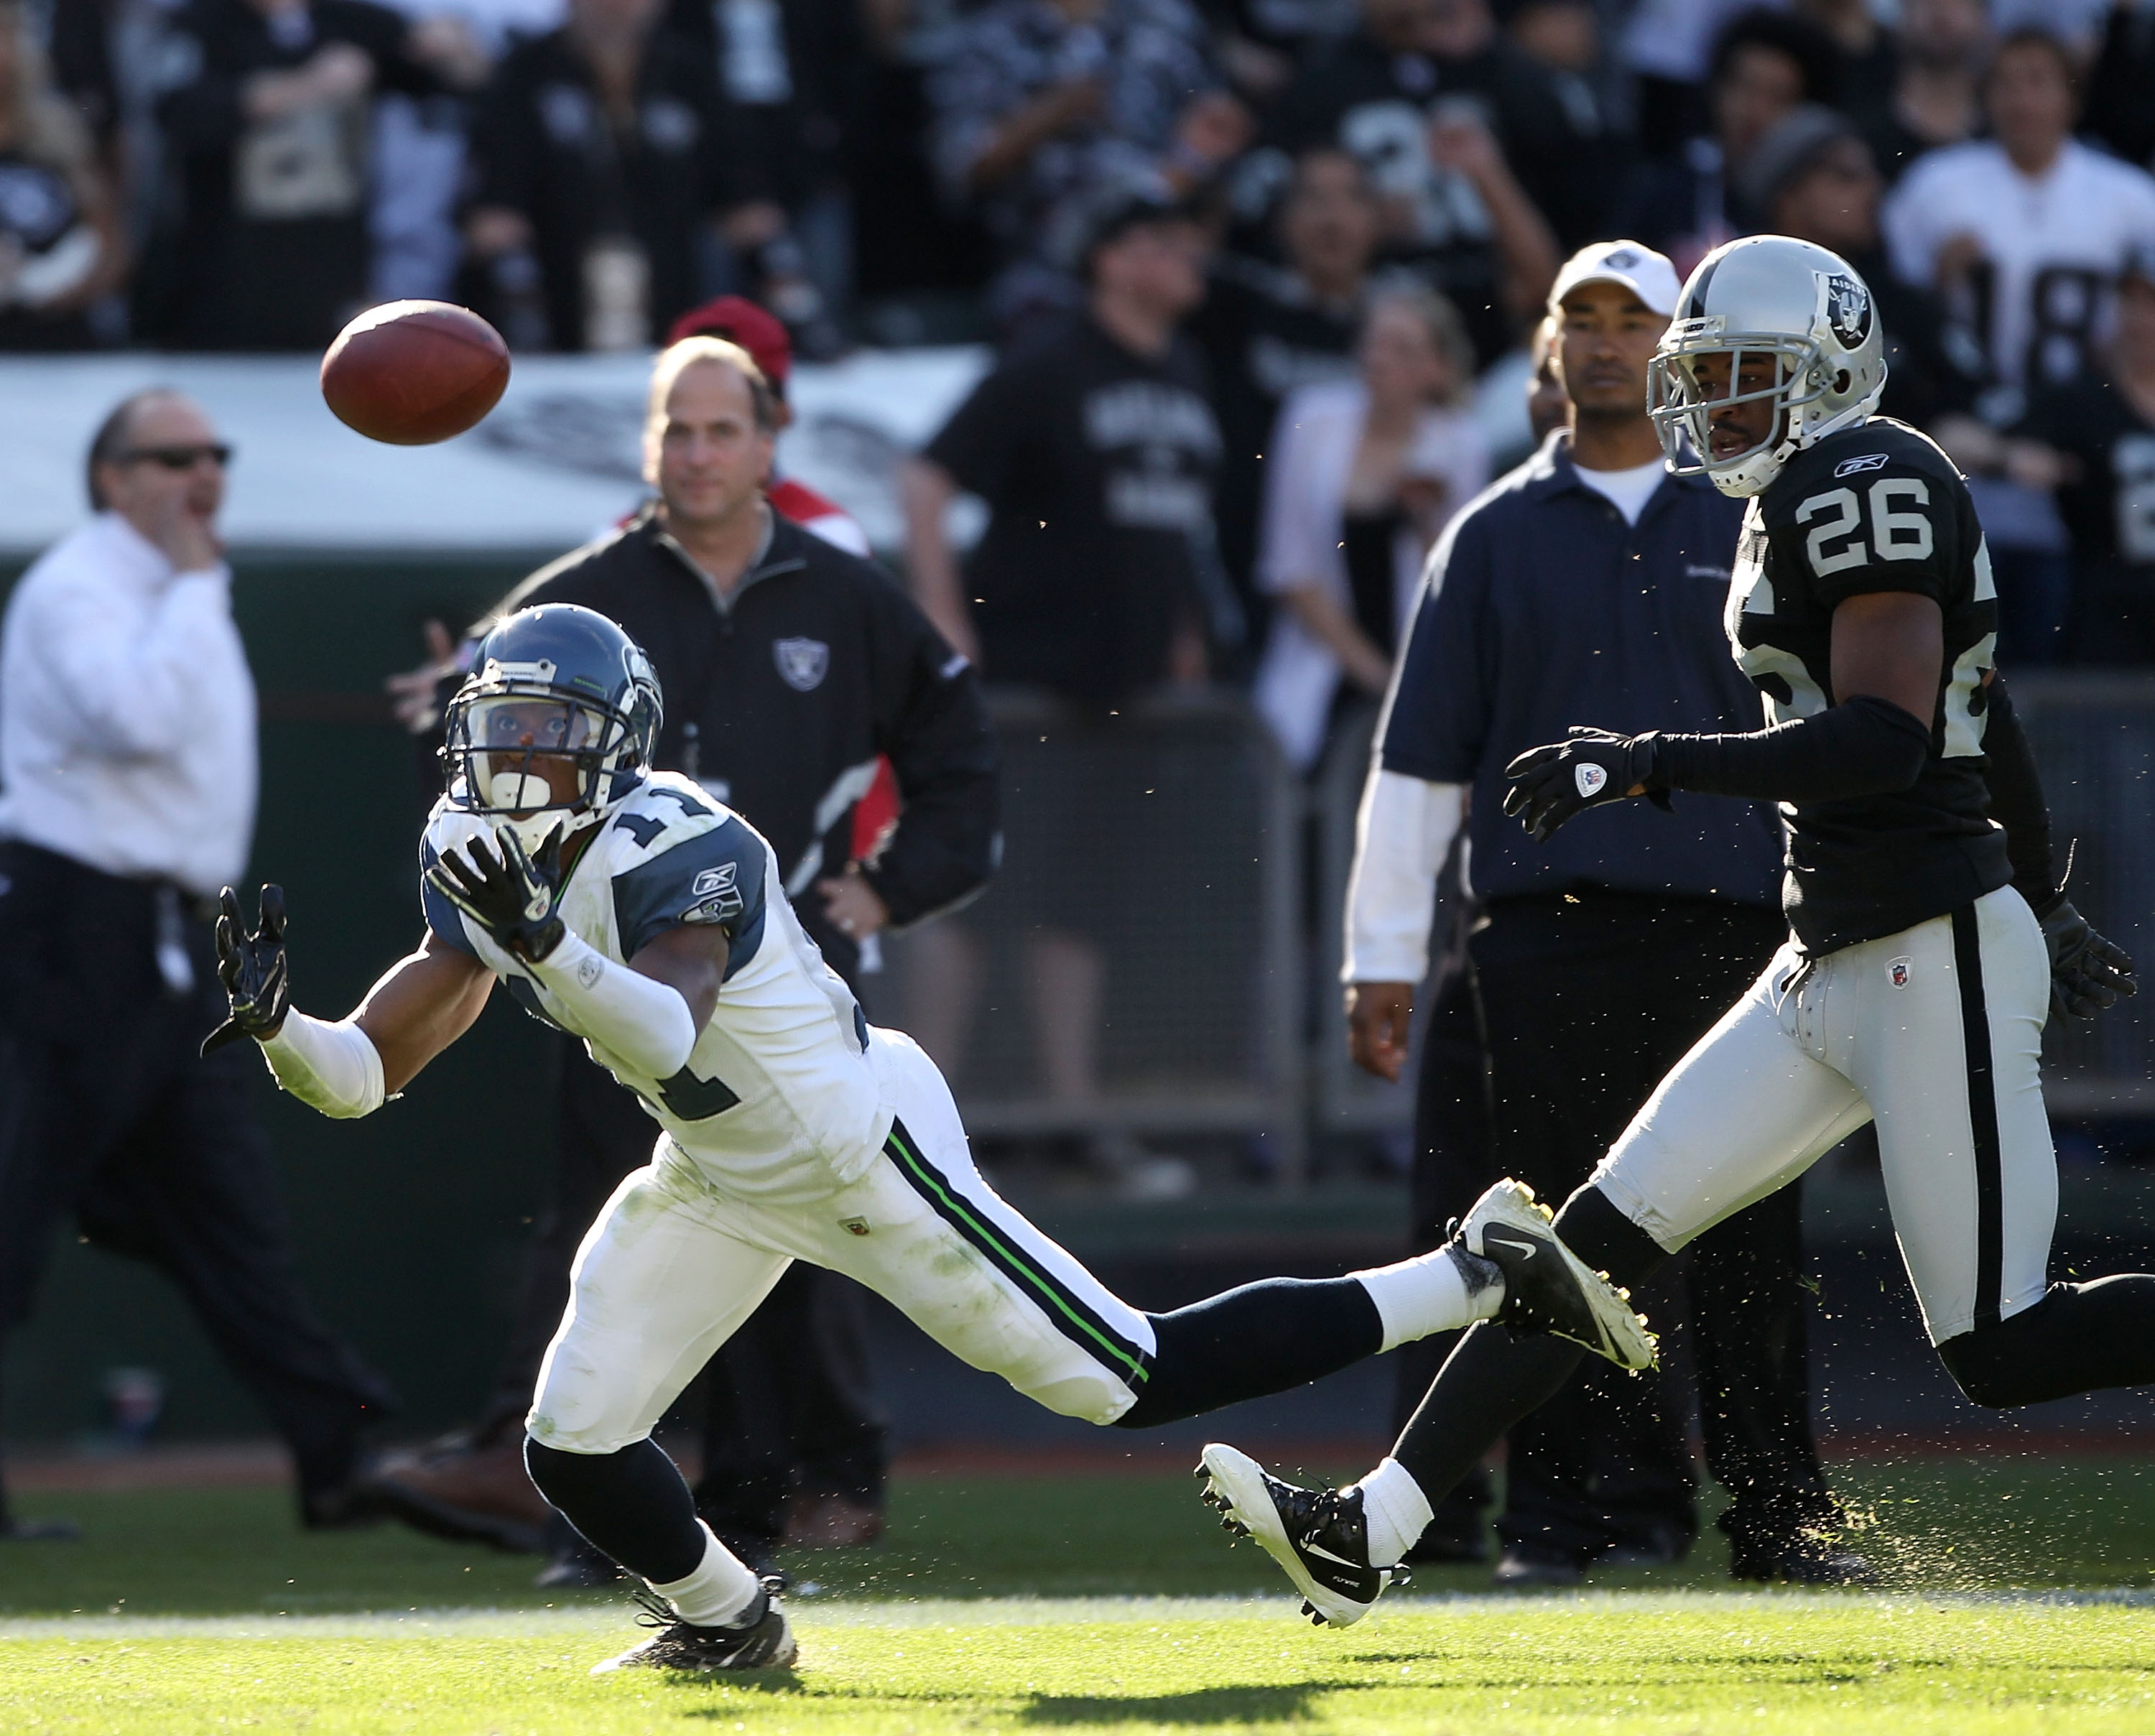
[
  {"x": 1396, "y": 1510},
  {"x": 1431, "y": 1293},
  {"x": 720, "y": 1590}
]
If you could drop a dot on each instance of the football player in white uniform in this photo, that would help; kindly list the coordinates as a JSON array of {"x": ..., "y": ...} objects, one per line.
[
  {"x": 628, "y": 907},
  {"x": 1932, "y": 935}
]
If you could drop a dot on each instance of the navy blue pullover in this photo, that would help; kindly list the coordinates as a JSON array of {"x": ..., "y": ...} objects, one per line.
[{"x": 1548, "y": 610}]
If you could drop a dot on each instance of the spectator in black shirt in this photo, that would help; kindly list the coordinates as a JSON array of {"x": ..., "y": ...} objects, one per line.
[
  {"x": 2120, "y": 106},
  {"x": 1095, "y": 450},
  {"x": 2095, "y": 439},
  {"x": 1430, "y": 101},
  {"x": 1764, "y": 64},
  {"x": 601, "y": 153},
  {"x": 792, "y": 74},
  {"x": 60, "y": 244},
  {"x": 1812, "y": 176},
  {"x": 270, "y": 134},
  {"x": 1267, "y": 329},
  {"x": 1936, "y": 100}
]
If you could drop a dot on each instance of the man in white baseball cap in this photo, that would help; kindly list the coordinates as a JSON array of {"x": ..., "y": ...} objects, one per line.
[
  {"x": 1589, "y": 584},
  {"x": 1647, "y": 275}
]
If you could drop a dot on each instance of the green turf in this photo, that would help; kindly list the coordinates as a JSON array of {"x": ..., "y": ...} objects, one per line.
[
  {"x": 172, "y": 1616},
  {"x": 1607, "y": 1664},
  {"x": 1931, "y": 1525}
]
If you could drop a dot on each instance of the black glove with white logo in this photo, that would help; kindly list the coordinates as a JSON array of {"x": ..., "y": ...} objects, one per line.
[
  {"x": 1549, "y": 785},
  {"x": 257, "y": 985},
  {"x": 510, "y": 895},
  {"x": 2087, "y": 972}
]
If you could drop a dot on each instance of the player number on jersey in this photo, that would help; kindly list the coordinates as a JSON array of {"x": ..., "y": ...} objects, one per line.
[
  {"x": 1838, "y": 542},
  {"x": 690, "y": 1098}
]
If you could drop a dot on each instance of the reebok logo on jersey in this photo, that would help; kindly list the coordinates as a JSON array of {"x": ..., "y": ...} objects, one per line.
[
  {"x": 1588, "y": 776},
  {"x": 720, "y": 897},
  {"x": 1899, "y": 970},
  {"x": 1866, "y": 461}
]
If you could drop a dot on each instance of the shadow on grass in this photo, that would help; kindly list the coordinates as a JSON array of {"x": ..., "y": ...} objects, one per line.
[
  {"x": 753, "y": 1681},
  {"x": 1232, "y": 1708}
]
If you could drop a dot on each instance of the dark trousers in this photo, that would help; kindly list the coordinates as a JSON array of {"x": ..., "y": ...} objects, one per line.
[
  {"x": 1582, "y": 1008},
  {"x": 109, "y": 1116},
  {"x": 788, "y": 1401}
]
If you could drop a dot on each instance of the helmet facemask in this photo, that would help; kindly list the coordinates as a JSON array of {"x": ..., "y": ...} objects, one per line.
[
  {"x": 1683, "y": 408},
  {"x": 512, "y": 734}
]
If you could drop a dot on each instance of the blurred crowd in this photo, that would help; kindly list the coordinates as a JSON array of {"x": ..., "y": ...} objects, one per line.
[{"x": 1381, "y": 191}]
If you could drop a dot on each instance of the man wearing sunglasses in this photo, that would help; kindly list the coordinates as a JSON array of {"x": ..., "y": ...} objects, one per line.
[{"x": 127, "y": 749}]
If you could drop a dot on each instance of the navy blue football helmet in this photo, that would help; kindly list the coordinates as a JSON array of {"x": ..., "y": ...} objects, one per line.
[{"x": 562, "y": 681}]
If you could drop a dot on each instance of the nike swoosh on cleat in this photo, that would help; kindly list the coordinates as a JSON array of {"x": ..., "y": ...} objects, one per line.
[
  {"x": 1324, "y": 1555},
  {"x": 1527, "y": 1250}
]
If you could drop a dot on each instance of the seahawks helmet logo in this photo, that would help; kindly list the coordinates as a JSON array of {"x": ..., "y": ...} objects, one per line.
[{"x": 1848, "y": 310}]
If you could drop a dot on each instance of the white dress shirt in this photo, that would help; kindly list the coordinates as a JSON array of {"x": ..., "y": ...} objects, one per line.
[{"x": 127, "y": 713}]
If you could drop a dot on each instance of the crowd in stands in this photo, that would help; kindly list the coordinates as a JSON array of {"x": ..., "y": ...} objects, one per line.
[{"x": 1382, "y": 190}]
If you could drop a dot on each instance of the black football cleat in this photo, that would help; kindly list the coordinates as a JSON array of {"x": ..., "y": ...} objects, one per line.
[
  {"x": 761, "y": 1639},
  {"x": 1801, "y": 1561},
  {"x": 1548, "y": 1287},
  {"x": 1319, "y": 1536}
]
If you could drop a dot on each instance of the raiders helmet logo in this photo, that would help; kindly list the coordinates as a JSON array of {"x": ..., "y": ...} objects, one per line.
[
  {"x": 1847, "y": 309},
  {"x": 803, "y": 662}
]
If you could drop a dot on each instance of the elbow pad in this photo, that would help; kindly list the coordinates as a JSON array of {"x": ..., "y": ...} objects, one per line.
[
  {"x": 1863, "y": 746},
  {"x": 636, "y": 1018},
  {"x": 334, "y": 1068}
]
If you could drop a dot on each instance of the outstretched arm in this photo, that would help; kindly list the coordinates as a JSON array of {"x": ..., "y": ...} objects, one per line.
[
  {"x": 423, "y": 1003},
  {"x": 348, "y": 1068}
]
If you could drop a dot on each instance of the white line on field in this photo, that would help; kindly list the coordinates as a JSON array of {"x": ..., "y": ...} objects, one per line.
[{"x": 1015, "y": 1612}]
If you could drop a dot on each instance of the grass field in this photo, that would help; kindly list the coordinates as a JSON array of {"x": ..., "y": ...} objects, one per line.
[{"x": 1010, "y": 1604}]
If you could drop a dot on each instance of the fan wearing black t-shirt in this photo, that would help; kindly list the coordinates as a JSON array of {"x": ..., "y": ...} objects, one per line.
[
  {"x": 1096, "y": 451},
  {"x": 2102, "y": 427}
]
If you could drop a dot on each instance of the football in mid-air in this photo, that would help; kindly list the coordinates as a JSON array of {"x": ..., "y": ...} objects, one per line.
[{"x": 412, "y": 373}]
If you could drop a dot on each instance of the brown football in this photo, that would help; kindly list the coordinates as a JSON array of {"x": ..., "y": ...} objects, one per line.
[{"x": 412, "y": 373}]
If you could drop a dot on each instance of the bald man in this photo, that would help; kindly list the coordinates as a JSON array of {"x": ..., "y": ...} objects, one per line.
[{"x": 127, "y": 751}]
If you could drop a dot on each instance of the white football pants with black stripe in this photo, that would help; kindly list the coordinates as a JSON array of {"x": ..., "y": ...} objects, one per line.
[
  {"x": 673, "y": 1267},
  {"x": 1936, "y": 1033}
]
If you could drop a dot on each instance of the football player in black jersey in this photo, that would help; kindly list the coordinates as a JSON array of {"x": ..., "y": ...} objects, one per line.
[{"x": 1931, "y": 936}]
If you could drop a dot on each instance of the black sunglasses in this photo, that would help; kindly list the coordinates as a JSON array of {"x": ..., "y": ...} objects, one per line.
[{"x": 178, "y": 458}]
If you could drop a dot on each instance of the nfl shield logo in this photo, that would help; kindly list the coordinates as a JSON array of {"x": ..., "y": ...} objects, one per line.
[
  {"x": 1898, "y": 970},
  {"x": 803, "y": 662}
]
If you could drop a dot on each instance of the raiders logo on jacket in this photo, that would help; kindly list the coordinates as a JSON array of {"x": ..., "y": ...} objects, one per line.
[{"x": 780, "y": 698}]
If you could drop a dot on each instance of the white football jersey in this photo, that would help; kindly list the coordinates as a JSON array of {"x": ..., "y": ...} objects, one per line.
[
  {"x": 2055, "y": 244},
  {"x": 780, "y": 1098}
]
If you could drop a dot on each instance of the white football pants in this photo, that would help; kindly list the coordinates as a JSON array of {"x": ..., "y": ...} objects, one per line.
[
  {"x": 1936, "y": 1032},
  {"x": 673, "y": 1267}
]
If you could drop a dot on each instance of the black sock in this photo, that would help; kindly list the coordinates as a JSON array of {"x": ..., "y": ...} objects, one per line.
[
  {"x": 630, "y": 1505},
  {"x": 1495, "y": 1379},
  {"x": 1244, "y": 1344},
  {"x": 2078, "y": 1339}
]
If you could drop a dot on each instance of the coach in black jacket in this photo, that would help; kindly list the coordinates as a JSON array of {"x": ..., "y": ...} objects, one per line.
[{"x": 789, "y": 666}]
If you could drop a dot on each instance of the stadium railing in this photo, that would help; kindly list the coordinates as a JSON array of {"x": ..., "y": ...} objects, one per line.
[{"x": 1168, "y": 833}]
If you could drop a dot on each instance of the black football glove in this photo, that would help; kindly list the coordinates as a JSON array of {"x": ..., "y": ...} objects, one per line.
[
  {"x": 252, "y": 969},
  {"x": 2087, "y": 972},
  {"x": 1549, "y": 785},
  {"x": 511, "y": 895}
]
